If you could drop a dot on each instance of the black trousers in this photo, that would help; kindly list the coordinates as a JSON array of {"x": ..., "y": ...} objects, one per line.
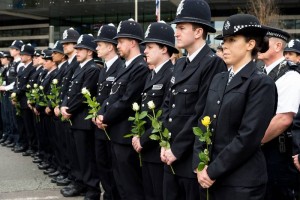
[
  {"x": 176, "y": 187},
  {"x": 27, "y": 117},
  {"x": 127, "y": 172},
  {"x": 153, "y": 174},
  {"x": 222, "y": 192},
  {"x": 104, "y": 167}
]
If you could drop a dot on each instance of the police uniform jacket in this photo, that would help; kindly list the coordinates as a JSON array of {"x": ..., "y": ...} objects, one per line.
[
  {"x": 105, "y": 82},
  {"x": 46, "y": 82},
  {"x": 241, "y": 112},
  {"x": 155, "y": 90},
  {"x": 12, "y": 73},
  {"x": 35, "y": 75},
  {"x": 186, "y": 99},
  {"x": 66, "y": 77},
  {"x": 85, "y": 76},
  {"x": 126, "y": 90},
  {"x": 21, "y": 83}
]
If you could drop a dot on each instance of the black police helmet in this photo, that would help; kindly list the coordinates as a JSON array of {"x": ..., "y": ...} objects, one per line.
[
  {"x": 47, "y": 54},
  {"x": 70, "y": 36},
  {"x": 130, "y": 29},
  {"x": 241, "y": 24},
  {"x": 293, "y": 46},
  {"x": 5, "y": 54},
  {"x": 37, "y": 52},
  {"x": 58, "y": 47},
  {"x": 17, "y": 44},
  {"x": 194, "y": 11},
  {"x": 86, "y": 41},
  {"x": 107, "y": 33},
  {"x": 277, "y": 33},
  {"x": 162, "y": 33},
  {"x": 27, "y": 49}
]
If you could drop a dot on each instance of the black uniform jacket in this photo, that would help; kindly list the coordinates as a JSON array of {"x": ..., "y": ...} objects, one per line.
[
  {"x": 186, "y": 100},
  {"x": 85, "y": 77},
  {"x": 21, "y": 83},
  {"x": 126, "y": 90},
  {"x": 240, "y": 113},
  {"x": 35, "y": 75},
  {"x": 104, "y": 84},
  {"x": 155, "y": 90}
]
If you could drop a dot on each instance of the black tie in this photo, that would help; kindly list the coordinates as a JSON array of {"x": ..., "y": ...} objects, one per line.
[
  {"x": 152, "y": 74},
  {"x": 187, "y": 61},
  {"x": 231, "y": 75}
]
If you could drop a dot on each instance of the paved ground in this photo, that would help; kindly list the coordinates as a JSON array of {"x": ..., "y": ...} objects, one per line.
[{"x": 20, "y": 179}]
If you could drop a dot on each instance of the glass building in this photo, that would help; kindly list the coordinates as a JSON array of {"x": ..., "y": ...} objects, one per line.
[{"x": 41, "y": 22}]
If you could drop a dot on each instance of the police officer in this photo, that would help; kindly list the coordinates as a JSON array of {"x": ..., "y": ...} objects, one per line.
[
  {"x": 27, "y": 134},
  {"x": 126, "y": 89},
  {"x": 107, "y": 51},
  {"x": 283, "y": 180},
  {"x": 186, "y": 99},
  {"x": 10, "y": 79},
  {"x": 292, "y": 51},
  {"x": 159, "y": 46},
  {"x": 69, "y": 40},
  {"x": 73, "y": 108}
]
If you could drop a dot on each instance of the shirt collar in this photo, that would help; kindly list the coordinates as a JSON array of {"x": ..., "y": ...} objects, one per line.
[
  {"x": 60, "y": 64},
  {"x": 17, "y": 59},
  {"x": 193, "y": 55},
  {"x": 71, "y": 58},
  {"x": 273, "y": 65},
  {"x": 83, "y": 63},
  {"x": 128, "y": 62},
  {"x": 156, "y": 69},
  {"x": 110, "y": 62}
]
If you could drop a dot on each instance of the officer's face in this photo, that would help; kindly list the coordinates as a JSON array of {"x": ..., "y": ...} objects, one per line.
[
  {"x": 14, "y": 52},
  {"x": 292, "y": 56},
  {"x": 185, "y": 35},
  {"x": 35, "y": 61},
  {"x": 4, "y": 61},
  {"x": 103, "y": 49},
  {"x": 154, "y": 54},
  {"x": 68, "y": 48},
  {"x": 41, "y": 60},
  {"x": 25, "y": 59},
  {"x": 83, "y": 54},
  {"x": 57, "y": 57},
  {"x": 236, "y": 51},
  {"x": 49, "y": 64},
  {"x": 123, "y": 47}
]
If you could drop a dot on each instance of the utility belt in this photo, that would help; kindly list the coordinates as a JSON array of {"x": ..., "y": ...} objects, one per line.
[{"x": 285, "y": 142}]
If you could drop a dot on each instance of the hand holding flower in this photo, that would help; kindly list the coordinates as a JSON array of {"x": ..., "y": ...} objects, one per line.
[
  {"x": 170, "y": 156},
  {"x": 204, "y": 179}
]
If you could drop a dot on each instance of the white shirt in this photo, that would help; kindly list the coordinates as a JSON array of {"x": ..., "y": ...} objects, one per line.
[
  {"x": 193, "y": 55},
  {"x": 156, "y": 69},
  {"x": 110, "y": 62},
  {"x": 273, "y": 65},
  {"x": 70, "y": 59},
  {"x": 128, "y": 62},
  {"x": 60, "y": 64},
  {"x": 83, "y": 63}
]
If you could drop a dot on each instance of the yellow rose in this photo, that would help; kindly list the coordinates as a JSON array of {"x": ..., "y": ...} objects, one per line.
[{"x": 206, "y": 121}]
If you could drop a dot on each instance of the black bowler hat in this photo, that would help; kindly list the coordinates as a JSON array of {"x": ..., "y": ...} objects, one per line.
[
  {"x": 70, "y": 36},
  {"x": 277, "y": 33},
  {"x": 130, "y": 29},
  {"x": 17, "y": 44},
  {"x": 5, "y": 54},
  {"x": 293, "y": 46},
  {"x": 86, "y": 41},
  {"x": 47, "y": 54},
  {"x": 107, "y": 33},
  {"x": 37, "y": 52},
  {"x": 58, "y": 47},
  {"x": 162, "y": 33},
  {"x": 194, "y": 11},
  {"x": 27, "y": 49},
  {"x": 241, "y": 24}
]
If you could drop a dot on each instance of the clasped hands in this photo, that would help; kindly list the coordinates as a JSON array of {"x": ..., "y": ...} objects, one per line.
[{"x": 98, "y": 121}]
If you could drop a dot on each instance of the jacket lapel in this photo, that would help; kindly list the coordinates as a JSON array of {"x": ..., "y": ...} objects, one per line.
[
  {"x": 124, "y": 70},
  {"x": 191, "y": 67},
  {"x": 222, "y": 84},
  {"x": 79, "y": 70}
]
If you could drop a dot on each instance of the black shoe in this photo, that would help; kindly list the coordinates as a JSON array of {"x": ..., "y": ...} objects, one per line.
[
  {"x": 11, "y": 145},
  {"x": 3, "y": 144},
  {"x": 73, "y": 191},
  {"x": 7, "y": 142},
  {"x": 38, "y": 160},
  {"x": 54, "y": 174},
  {"x": 19, "y": 149},
  {"x": 61, "y": 177},
  {"x": 25, "y": 153},
  {"x": 43, "y": 166},
  {"x": 49, "y": 170},
  {"x": 63, "y": 182},
  {"x": 2, "y": 140},
  {"x": 54, "y": 179}
]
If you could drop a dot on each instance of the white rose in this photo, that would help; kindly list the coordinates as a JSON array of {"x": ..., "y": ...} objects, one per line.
[
  {"x": 135, "y": 106},
  {"x": 54, "y": 81},
  {"x": 85, "y": 91},
  {"x": 41, "y": 87},
  {"x": 151, "y": 105},
  {"x": 35, "y": 85},
  {"x": 28, "y": 86},
  {"x": 33, "y": 91},
  {"x": 13, "y": 95}
]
